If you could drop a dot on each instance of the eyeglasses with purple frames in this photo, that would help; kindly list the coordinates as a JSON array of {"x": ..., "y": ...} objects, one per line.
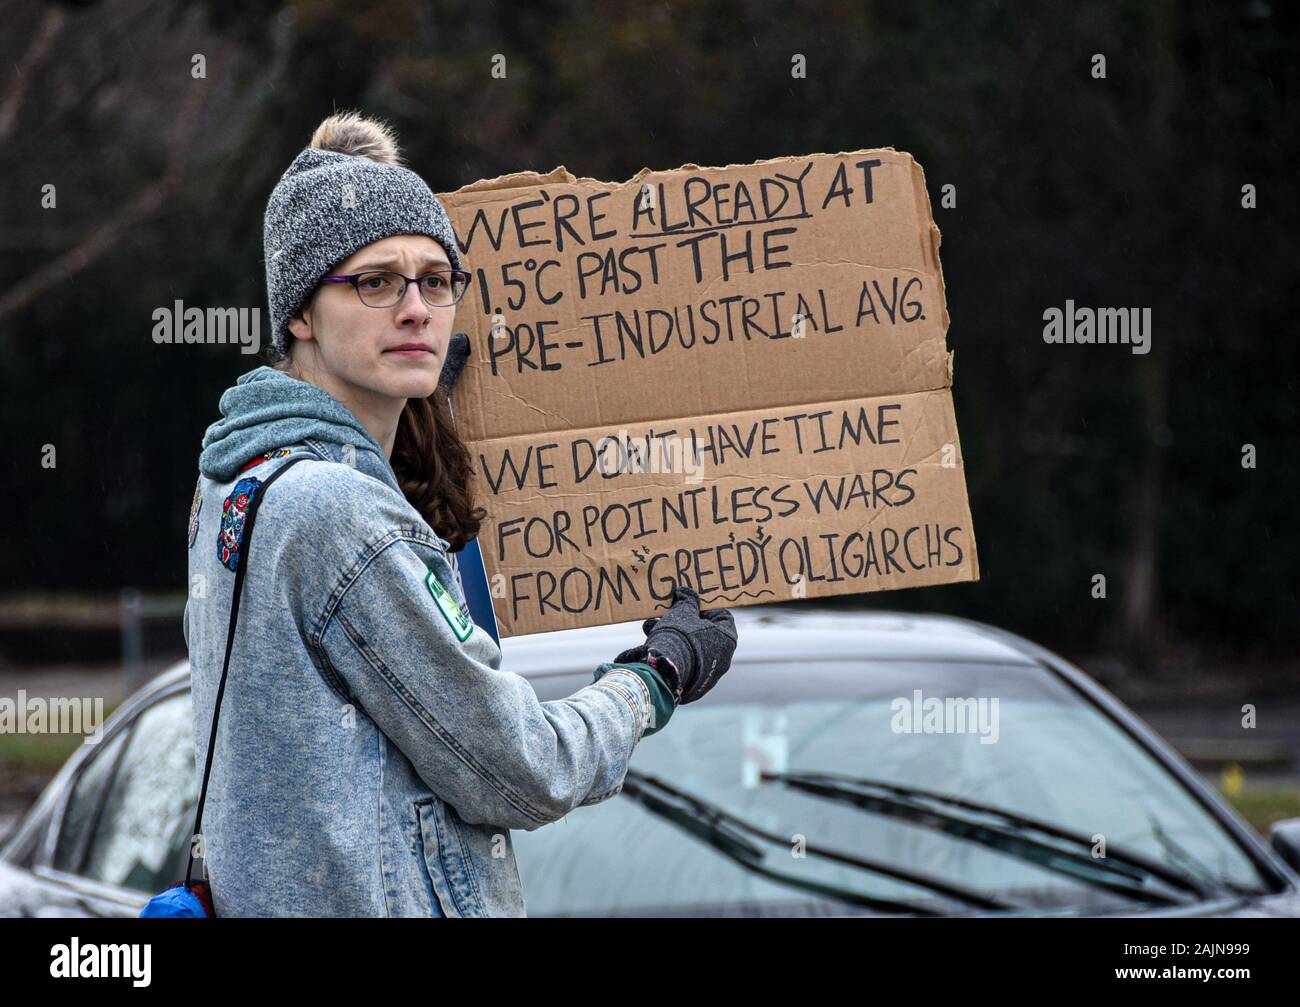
[{"x": 379, "y": 288}]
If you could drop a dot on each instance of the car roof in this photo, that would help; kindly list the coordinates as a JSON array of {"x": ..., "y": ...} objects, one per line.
[
  {"x": 766, "y": 634},
  {"x": 777, "y": 633}
]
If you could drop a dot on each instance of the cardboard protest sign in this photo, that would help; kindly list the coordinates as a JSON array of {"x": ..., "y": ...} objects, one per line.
[{"x": 736, "y": 378}]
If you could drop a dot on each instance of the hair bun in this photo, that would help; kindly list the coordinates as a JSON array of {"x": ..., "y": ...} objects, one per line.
[{"x": 353, "y": 133}]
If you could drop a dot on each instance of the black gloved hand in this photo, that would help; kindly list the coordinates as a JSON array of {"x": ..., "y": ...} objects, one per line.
[
  {"x": 457, "y": 354},
  {"x": 700, "y": 644}
]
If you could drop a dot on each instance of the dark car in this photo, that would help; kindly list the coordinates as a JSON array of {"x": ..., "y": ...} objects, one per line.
[{"x": 851, "y": 763}]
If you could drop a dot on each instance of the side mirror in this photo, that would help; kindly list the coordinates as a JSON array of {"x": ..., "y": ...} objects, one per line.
[{"x": 1284, "y": 836}]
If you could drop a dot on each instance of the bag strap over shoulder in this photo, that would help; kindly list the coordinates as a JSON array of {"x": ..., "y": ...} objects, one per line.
[{"x": 249, "y": 521}]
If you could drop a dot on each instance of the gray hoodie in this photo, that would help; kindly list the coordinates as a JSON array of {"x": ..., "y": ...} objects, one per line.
[{"x": 372, "y": 756}]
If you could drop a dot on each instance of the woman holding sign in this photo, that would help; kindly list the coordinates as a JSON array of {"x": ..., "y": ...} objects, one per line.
[{"x": 371, "y": 756}]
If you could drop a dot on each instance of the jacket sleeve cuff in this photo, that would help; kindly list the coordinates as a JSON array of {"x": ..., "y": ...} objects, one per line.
[{"x": 661, "y": 697}]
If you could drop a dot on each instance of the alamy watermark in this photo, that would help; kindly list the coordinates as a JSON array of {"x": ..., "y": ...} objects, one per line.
[
  {"x": 1099, "y": 325},
  {"x": 75, "y": 960},
  {"x": 622, "y": 454},
  {"x": 951, "y": 715},
  {"x": 179, "y": 324},
  {"x": 60, "y": 715}
]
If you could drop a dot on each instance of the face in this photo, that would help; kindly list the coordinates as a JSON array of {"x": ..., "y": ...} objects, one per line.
[{"x": 372, "y": 355}]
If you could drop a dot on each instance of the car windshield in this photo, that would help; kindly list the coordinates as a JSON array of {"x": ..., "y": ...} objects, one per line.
[{"x": 1013, "y": 737}]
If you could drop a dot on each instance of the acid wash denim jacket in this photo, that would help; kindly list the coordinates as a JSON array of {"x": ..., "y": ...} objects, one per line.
[{"x": 372, "y": 755}]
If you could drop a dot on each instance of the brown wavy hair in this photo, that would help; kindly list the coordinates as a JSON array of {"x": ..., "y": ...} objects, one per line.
[
  {"x": 435, "y": 470},
  {"x": 433, "y": 466}
]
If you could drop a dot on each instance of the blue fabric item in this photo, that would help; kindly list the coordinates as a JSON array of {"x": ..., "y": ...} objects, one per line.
[
  {"x": 267, "y": 409},
  {"x": 478, "y": 593},
  {"x": 234, "y": 516},
  {"x": 175, "y": 902}
]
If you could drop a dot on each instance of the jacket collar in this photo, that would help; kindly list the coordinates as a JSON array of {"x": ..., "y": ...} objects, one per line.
[
  {"x": 267, "y": 409},
  {"x": 369, "y": 462}
]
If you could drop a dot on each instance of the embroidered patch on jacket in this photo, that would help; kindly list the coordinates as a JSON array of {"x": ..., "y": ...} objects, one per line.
[
  {"x": 277, "y": 453},
  {"x": 195, "y": 505},
  {"x": 459, "y": 622},
  {"x": 234, "y": 511}
]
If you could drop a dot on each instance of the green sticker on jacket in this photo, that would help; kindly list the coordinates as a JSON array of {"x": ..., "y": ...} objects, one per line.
[{"x": 459, "y": 622}]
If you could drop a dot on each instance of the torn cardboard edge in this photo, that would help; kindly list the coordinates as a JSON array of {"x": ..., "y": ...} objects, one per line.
[{"x": 562, "y": 175}]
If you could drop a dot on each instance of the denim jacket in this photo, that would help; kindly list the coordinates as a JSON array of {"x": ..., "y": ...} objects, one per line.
[{"x": 372, "y": 756}]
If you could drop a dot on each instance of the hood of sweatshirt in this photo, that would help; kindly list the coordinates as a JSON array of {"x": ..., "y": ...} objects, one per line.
[{"x": 267, "y": 409}]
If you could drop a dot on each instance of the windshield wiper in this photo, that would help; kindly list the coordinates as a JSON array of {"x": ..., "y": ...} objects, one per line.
[
  {"x": 723, "y": 831},
  {"x": 1121, "y": 871},
  {"x": 1194, "y": 867}
]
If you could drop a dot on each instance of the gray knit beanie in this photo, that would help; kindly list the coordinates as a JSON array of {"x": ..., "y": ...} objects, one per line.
[{"x": 345, "y": 190}]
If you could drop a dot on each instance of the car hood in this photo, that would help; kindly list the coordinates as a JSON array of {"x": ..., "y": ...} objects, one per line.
[{"x": 1281, "y": 905}]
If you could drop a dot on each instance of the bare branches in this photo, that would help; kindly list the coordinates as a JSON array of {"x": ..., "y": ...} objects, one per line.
[
  {"x": 42, "y": 42},
  {"x": 108, "y": 234}
]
